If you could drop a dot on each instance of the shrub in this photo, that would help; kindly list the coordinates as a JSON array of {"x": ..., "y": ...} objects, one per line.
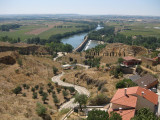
[
  {"x": 53, "y": 92},
  {"x": 41, "y": 109},
  {"x": 40, "y": 91},
  {"x": 33, "y": 89},
  {"x": 104, "y": 89},
  {"x": 56, "y": 100},
  {"x": 71, "y": 89},
  {"x": 49, "y": 91},
  {"x": 97, "y": 115},
  {"x": 17, "y": 90},
  {"x": 100, "y": 99},
  {"x": 120, "y": 60},
  {"x": 51, "y": 87},
  {"x": 24, "y": 86},
  {"x": 44, "y": 94},
  {"x": 64, "y": 79},
  {"x": 65, "y": 93},
  {"x": 44, "y": 98},
  {"x": 49, "y": 84},
  {"x": 54, "y": 96},
  {"x": 34, "y": 95},
  {"x": 20, "y": 62},
  {"x": 37, "y": 86},
  {"x": 27, "y": 87},
  {"x": 24, "y": 94},
  {"x": 56, "y": 84},
  {"x": 55, "y": 70},
  {"x": 107, "y": 65},
  {"x": 58, "y": 90},
  {"x": 125, "y": 83}
]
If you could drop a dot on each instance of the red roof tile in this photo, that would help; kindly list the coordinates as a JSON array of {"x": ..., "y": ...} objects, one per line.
[
  {"x": 128, "y": 100},
  {"x": 129, "y": 58},
  {"x": 149, "y": 95},
  {"x": 126, "y": 114}
]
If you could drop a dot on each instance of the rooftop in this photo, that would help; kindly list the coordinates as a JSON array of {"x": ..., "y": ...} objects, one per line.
[
  {"x": 149, "y": 95},
  {"x": 129, "y": 58},
  {"x": 134, "y": 77},
  {"x": 145, "y": 80},
  {"x": 126, "y": 114}
]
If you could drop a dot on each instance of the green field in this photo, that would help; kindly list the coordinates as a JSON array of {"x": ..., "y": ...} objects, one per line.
[
  {"x": 29, "y": 25},
  {"x": 137, "y": 28}
]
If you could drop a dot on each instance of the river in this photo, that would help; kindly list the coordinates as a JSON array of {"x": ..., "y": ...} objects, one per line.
[{"x": 76, "y": 40}]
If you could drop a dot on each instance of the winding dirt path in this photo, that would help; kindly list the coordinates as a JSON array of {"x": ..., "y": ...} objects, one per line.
[{"x": 80, "y": 90}]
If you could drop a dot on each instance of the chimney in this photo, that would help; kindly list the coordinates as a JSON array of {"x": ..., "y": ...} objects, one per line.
[
  {"x": 125, "y": 91},
  {"x": 145, "y": 86},
  {"x": 142, "y": 93},
  {"x": 120, "y": 110}
]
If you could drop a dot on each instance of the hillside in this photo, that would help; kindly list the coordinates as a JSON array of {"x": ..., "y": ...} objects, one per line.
[{"x": 29, "y": 70}]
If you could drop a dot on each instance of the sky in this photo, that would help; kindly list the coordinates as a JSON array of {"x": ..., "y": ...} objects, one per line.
[{"x": 85, "y": 7}]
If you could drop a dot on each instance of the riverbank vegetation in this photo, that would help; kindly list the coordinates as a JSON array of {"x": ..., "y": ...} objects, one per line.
[{"x": 107, "y": 34}]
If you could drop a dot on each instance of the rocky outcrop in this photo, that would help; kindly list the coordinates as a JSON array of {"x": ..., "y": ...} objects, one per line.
[{"x": 120, "y": 50}]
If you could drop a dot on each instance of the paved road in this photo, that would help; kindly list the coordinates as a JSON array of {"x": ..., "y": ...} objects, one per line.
[{"x": 80, "y": 90}]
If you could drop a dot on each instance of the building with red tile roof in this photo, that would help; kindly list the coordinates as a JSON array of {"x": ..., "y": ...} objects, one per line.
[
  {"x": 130, "y": 61},
  {"x": 126, "y": 101}
]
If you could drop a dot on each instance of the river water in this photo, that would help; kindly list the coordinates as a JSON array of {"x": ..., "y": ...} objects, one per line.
[{"x": 76, "y": 40}]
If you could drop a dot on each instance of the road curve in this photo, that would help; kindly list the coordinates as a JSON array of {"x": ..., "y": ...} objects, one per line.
[{"x": 80, "y": 90}]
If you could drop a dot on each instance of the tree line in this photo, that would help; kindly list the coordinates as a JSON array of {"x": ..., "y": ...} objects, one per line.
[
  {"x": 107, "y": 35},
  {"x": 9, "y": 26}
]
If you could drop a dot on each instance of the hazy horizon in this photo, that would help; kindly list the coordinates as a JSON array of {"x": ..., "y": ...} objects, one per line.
[{"x": 81, "y": 7}]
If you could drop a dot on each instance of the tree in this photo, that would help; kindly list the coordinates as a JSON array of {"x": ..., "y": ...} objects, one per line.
[
  {"x": 56, "y": 100},
  {"x": 17, "y": 90},
  {"x": 44, "y": 98},
  {"x": 97, "y": 115},
  {"x": 24, "y": 86},
  {"x": 125, "y": 83},
  {"x": 71, "y": 89},
  {"x": 49, "y": 91},
  {"x": 33, "y": 89},
  {"x": 65, "y": 93},
  {"x": 34, "y": 95},
  {"x": 120, "y": 60},
  {"x": 115, "y": 116},
  {"x": 41, "y": 91},
  {"x": 55, "y": 70},
  {"x": 51, "y": 87},
  {"x": 37, "y": 86},
  {"x": 58, "y": 90},
  {"x": 145, "y": 114},
  {"x": 41, "y": 109},
  {"x": 81, "y": 99},
  {"x": 49, "y": 84},
  {"x": 27, "y": 87}
]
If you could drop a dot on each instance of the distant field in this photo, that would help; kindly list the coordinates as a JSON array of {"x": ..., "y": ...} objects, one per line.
[
  {"x": 137, "y": 28},
  {"x": 43, "y": 29}
]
